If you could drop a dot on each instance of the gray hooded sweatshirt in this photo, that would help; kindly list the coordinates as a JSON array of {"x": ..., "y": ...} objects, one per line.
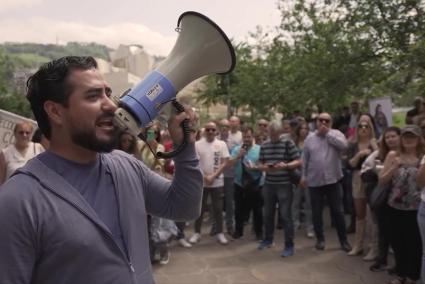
[{"x": 49, "y": 234}]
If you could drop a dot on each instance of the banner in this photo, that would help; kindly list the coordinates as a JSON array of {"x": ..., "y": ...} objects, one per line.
[
  {"x": 7, "y": 124},
  {"x": 381, "y": 110}
]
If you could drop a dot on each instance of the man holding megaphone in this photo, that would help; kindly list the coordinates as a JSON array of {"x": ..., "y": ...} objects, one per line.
[{"x": 77, "y": 213}]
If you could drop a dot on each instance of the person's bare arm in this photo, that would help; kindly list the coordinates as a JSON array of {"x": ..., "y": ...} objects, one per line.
[
  {"x": 420, "y": 177},
  {"x": 391, "y": 164}
]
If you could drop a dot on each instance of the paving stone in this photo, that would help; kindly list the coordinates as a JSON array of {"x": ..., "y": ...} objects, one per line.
[{"x": 240, "y": 262}]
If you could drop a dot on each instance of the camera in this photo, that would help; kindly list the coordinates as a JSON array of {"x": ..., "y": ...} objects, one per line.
[{"x": 245, "y": 147}]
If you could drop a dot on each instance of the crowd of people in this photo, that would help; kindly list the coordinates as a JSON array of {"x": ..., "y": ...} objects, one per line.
[{"x": 291, "y": 169}]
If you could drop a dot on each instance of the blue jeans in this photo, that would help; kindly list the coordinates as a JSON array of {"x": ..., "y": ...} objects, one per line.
[
  {"x": 282, "y": 194},
  {"x": 299, "y": 193},
  {"x": 333, "y": 194},
  {"x": 421, "y": 223}
]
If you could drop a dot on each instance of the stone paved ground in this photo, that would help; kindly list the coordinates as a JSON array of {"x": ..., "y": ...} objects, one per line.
[{"x": 240, "y": 262}]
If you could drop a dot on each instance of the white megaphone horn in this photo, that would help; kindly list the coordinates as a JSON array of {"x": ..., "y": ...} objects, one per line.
[{"x": 201, "y": 48}]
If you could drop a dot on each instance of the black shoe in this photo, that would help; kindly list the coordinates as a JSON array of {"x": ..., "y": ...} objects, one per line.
[
  {"x": 351, "y": 229},
  {"x": 378, "y": 266},
  {"x": 320, "y": 245},
  {"x": 392, "y": 271},
  {"x": 236, "y": 235},
  {"x": 345, "y": 246}
]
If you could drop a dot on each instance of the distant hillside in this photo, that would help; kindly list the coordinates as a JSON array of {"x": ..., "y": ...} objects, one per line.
[{"x": 33, "y": 54}]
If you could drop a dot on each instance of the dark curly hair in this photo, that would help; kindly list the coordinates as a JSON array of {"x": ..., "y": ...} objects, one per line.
[{"x": 50, "y": 83}]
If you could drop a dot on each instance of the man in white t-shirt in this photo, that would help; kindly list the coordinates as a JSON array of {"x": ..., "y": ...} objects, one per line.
[{"x": 213, "y": 156}]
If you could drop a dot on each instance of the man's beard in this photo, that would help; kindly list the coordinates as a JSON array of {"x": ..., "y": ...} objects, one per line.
[{"x": 88, "y": 140}]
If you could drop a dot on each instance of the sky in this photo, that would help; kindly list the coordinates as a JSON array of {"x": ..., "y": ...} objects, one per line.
[{"x": 150, "y": 23}]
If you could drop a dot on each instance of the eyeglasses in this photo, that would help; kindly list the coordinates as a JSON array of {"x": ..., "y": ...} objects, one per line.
[
  {"x": 363, "y": 126},
  {"x": 210, "y": 129},
  {"x": 24, "y": 132},
  {"x": 324, "y": 120}
]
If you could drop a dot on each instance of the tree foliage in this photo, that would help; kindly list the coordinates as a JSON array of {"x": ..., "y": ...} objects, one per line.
[
  {"x": 10, "y": 99},
  {"x": 328, "y": 52},
  {"x": 53, "y": 51}
]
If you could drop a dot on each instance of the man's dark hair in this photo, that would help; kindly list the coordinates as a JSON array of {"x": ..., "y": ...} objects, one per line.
[
  {"x": 50, "y": 83},
  {"x": 246, "y": 129}
]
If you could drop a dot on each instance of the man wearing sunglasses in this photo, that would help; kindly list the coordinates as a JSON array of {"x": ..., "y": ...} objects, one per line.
[
  {"x": 213, "y": 156},
  {"x": 322, "y": 173}
]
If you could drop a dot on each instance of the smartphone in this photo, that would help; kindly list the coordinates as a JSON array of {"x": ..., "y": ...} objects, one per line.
[{"x": 150, "y": 135}]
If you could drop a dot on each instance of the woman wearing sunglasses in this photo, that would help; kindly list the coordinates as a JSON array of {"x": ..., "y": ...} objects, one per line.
[
  {"x": 16, "y": 155},
  {"x": 363, "y": 145}
]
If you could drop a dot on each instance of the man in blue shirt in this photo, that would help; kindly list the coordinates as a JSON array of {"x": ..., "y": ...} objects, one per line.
[{"x": 247, "y": 184}]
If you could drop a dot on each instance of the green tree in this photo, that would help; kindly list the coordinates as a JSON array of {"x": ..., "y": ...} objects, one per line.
[
  {"x": 10, "y": 99},
  {"x": 328, "y": 52}
]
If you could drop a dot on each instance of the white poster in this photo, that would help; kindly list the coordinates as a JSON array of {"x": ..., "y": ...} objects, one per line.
[
  {"x": 381, "y": 110},
  {"x": 7, "y": 123}
]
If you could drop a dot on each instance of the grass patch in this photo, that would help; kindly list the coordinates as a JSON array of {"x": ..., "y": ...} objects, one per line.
[{"x": 398, "y": 119}]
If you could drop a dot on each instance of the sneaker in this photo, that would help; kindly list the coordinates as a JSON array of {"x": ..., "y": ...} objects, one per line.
[
  {"x": 265, "y": 244},
  {"x": 310, "y": 234},
  {"x": 164, "y": 257},
  {"x": 222, "y": 239},
  {"x": 184, "y": 243},
  {"x": 287, "y": 251},
  {"x": 195, "y": 238}
]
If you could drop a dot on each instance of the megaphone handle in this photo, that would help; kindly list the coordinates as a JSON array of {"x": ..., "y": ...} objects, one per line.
[{"x": 186, "y": 132}]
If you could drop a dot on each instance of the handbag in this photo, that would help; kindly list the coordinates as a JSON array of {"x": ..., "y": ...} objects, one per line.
[
  {"x": 294, "y": 174},
  {"x": 379, "y": 196}
]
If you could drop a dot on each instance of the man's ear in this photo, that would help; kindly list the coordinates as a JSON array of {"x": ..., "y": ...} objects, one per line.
[{"x": 54, "y": 112}]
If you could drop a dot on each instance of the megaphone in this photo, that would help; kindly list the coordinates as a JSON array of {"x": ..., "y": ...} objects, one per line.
[{"x": 201, "y": 48}]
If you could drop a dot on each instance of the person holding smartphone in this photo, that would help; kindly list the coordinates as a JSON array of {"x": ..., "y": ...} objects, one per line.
[{"x": 278, "y": 187}]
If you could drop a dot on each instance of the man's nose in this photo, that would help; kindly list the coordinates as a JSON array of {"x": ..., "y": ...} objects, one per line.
[{"x": 109, "y": 104}]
